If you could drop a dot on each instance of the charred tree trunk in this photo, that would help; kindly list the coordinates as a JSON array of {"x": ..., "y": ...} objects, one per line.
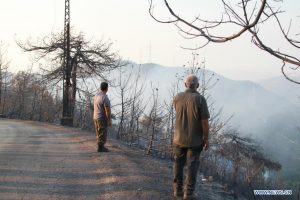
[{"x": 120, "y": 130}]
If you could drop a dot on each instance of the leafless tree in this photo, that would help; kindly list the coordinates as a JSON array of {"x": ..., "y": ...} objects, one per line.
[
  {"x": 239, "y": 17},
  {"x": 129, "y": 106},
  {"x": 4, "y": 63},
  {"x": 137, "y": 106},
  {"x": 29, "y": 98},
  {"x": 6, "y": 80},
  {"x": 89, "y": 59},
  {"x": 170, "y": 118},
  {"x": 249, "y": 163},
  {"x": 83, "y": 116},
  {"x": 152, "y": 124},
  {"x": 123, "y": 87},
  {"x": 20, "y": 90}
]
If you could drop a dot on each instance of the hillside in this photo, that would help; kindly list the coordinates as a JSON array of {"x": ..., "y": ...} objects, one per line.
[
  {"x": 269, "y": 117},
  {"x": 283, "y": 87}
]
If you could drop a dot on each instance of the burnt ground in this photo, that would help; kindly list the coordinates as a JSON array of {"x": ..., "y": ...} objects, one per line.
[{"x": 45, "y": 161}]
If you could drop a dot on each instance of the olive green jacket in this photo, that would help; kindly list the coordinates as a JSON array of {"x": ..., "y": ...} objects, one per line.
[{"x": 191, "y": 108}]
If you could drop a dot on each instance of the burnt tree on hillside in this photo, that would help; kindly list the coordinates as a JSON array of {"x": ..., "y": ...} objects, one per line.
[
  {"x": 20, "y": 89},
  {"x": 123, "y": 88},
  {"x": 170, "y": 119},
  {"x": 5, "y": 83},
  {"x": 129, "y": 102},
  {"x": 154, "y": 121},
  {"x": 237, "y": 18},
  {"x": 83, "y": 116},
  {"x": 245, "y": 156},
  {"x": 88, "y": 60},
  {"x": 137, "y": 106},
  {"x": 3, "y": 76},
  {"x": 29, "y": 98}
]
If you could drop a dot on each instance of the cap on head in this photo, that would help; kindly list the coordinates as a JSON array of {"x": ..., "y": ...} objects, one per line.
[
  {"x": 191, "y": 81},
  {"x": 104, "y": 86}
]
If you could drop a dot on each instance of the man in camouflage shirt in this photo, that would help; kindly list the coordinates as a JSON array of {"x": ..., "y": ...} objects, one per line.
[
  {"x": 191, "y": 135},
  {"x": 102, "y": 116}
]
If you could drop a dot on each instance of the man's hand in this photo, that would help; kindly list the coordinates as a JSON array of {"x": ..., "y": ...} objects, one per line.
[
  {"x": 108, "y": 115},
  {"x": 205, "y": 127},
  {"x": 205, "y": 144}
]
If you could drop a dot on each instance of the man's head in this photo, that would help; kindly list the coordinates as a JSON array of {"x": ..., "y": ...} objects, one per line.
[
  {"x": 104, "y": 86},
  {"x": 191, "y": 82}
]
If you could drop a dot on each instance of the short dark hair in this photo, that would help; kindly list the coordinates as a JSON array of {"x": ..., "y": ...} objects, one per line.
[{"x": 104, "y": 86}]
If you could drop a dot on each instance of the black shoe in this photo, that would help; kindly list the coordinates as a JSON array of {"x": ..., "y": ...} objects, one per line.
[{"x": 102, "y": 149}]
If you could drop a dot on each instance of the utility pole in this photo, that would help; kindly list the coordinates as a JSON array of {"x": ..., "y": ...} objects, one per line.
[{"x": 67, "y": 115}]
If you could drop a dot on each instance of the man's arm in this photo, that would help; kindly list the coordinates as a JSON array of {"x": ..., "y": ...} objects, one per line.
[
  {"x": 108, "y": 114},
  {"x": 205, "y": 127}
]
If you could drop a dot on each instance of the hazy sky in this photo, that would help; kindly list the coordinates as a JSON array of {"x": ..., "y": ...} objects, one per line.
[{"x": 136, "y": 35}]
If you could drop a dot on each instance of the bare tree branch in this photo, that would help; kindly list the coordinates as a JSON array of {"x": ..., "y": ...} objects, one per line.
[{"x": 245, "y": 16}]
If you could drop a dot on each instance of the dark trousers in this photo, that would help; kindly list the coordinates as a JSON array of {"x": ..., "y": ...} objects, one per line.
[{"x": 190, "y": 157}]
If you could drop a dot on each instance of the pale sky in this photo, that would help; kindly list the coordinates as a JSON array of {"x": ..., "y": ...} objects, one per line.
[{"x": 136, "y": 35}]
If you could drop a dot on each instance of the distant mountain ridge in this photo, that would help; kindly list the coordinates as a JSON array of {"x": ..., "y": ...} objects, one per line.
[
  {"x": 252, "y": 104},
  {"x": 283, "y": 87}
]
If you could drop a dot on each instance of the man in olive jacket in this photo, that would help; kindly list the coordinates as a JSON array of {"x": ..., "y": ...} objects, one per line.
[{"x": 191, "y": 135}]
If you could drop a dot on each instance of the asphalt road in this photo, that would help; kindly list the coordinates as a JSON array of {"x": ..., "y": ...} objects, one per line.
[{"x": 44, "y": 161}]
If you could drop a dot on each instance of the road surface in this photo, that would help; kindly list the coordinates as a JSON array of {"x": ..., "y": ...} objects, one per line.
[
  {"x": 44, "y": 161},
  {"x": 40, "y": 161}
]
